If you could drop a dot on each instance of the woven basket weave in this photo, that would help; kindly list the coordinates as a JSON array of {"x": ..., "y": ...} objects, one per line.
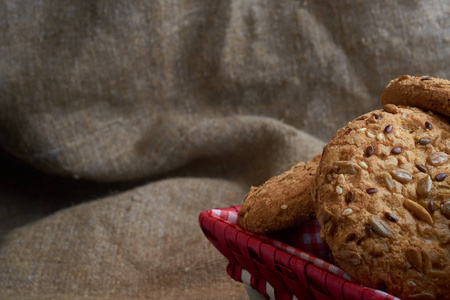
[{"x": 277, "y": 271}]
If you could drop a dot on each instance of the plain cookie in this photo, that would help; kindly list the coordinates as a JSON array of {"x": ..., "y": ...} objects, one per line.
[
  {"x": 383, "y": 201},
  {"x": 420, "y": 91},
  {"x": 281, "y": 202}
]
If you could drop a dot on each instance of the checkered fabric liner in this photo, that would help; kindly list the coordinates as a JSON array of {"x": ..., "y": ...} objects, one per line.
[{"x": 304, "y": 237}]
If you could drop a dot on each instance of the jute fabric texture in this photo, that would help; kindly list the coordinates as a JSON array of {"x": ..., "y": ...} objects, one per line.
[{"x": 120, "y": 121}]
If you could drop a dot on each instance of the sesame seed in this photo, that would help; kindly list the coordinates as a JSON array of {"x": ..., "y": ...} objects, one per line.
[
  {"x": 379, "y": 136},
  {"x": 284, "y": 206},
  {"x": 341, "y": 179},
  {"x": 361, "y": 129},
  {"x": 347, "y": 211},
  {"x": 371, "y": 135},
  {"x": 338, "y": 190}
]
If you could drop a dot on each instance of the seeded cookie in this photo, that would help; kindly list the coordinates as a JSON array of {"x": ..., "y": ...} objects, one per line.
[
  {"x": 420, "y": 91},
  {"x": 281, "y": 202},
  {"x": 382, "y": 197}
]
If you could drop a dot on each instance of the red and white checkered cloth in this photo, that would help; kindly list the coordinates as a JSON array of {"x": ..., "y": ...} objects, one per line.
[{"x": 305, "y": 237}]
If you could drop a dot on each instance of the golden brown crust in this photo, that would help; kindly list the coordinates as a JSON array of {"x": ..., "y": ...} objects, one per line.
[
  {"x": 281, "y": 202},
  {"x": 420, "y": 91},
  {"x": 382, "y": 199}
]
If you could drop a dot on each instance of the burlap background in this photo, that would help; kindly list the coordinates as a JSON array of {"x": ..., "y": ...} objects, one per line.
[{"x": 120, "y": 121}]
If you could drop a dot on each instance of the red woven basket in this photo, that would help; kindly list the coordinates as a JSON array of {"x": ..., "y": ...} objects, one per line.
[{"x": 277, "y": 270}]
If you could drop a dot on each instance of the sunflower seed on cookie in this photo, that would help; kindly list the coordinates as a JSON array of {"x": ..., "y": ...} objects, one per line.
[{"x": 398, "y": 202}]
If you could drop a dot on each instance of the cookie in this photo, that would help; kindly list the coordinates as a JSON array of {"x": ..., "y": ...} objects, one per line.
[
  {"x": 382, "y": 197},
  {"x": 425, "y": 92},
  {"x": 281, "y": 202}
]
